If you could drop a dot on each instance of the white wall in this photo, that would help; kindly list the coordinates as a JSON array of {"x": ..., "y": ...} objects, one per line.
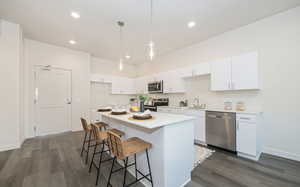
[
  {"x": 11, "y": 133},
  {"x": 277, "y": 39},
  {"x": 37, "y": 53},
  {"x": 107, "y": 67}
]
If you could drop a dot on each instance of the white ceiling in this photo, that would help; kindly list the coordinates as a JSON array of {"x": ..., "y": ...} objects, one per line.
[{"x": 96, "y": 31}]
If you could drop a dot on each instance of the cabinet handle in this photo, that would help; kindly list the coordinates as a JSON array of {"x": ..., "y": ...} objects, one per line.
[
  {"x": 232, "y": 85},
  {"x": 228, "y": 85},
  {"x": 237, "y": 125},
  {"x": 245, "y": 118}
]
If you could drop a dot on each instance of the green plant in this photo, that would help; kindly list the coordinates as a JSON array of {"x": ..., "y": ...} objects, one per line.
[{"x": 143, "y": 98}]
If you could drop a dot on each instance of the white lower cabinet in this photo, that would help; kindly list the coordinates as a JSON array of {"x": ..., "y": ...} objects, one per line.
[
  {"x": 246, "y": 136},
  {"x": 199, "y": 128}
]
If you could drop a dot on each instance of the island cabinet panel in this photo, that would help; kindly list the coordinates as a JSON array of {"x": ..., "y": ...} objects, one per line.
[{"x": 172, "y": 152}]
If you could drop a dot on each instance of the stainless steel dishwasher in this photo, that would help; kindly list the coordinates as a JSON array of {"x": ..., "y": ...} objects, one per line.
[{"x": 221, "y": 130}]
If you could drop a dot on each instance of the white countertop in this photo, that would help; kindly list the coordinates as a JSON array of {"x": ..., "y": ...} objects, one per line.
[
  {"x": 217, "y": 109},
  {"x": 160, "y": 119}
]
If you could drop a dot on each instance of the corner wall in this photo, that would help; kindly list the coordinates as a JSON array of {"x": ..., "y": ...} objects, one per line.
[{"x": 11, "y": 133}]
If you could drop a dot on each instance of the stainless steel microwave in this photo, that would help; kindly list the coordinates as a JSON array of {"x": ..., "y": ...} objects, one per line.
[{"x": 155, "y": 87}]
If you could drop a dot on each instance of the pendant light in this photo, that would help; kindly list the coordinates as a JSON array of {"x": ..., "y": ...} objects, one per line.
[
  {"x": 151, "y": 43},
  {"x": 121, "y": 25}
]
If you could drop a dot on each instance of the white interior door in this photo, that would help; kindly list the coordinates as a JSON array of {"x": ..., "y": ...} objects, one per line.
[{"x": 53, "y": 101}]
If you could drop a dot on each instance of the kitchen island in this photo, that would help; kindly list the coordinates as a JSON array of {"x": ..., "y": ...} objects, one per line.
[{"x": 172, "y": 139}]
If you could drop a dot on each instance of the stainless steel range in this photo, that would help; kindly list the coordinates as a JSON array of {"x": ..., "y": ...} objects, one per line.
[{"x": 157, "y": 102}]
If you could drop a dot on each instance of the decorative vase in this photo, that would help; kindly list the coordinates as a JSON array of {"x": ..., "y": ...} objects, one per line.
[{"x": 142, "y": 106}]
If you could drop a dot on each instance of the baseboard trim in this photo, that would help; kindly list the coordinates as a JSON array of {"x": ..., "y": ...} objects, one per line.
[
  {"x": 9, "y": 147},
  {"x": 186, "y": 182},
  {"x": 255, "y": 158},
  {"x": 281, "y": 153}
]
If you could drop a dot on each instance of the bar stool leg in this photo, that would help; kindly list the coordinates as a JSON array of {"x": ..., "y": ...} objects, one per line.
[
  {"x": 125, "y": 172},
  {"x": 83, "y": 144},
  {"x": 100, "y": 161},
  {"x": 95, "y": 149},
  {"x": 136, "y": 177},
  {"x": 88, "y": 149},
  {"x": 111, "y": 169},
  {"x": 149, "y": 167}
]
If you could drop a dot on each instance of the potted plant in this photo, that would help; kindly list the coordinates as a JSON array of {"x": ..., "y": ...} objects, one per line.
[{"x": 142, "y": 99}]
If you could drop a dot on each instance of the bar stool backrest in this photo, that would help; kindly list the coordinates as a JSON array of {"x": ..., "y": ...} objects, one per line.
[
  {"x": 116, "y": 145},
  {"x": 84, "y": 124},
  {"x": 98, "y": 134}
]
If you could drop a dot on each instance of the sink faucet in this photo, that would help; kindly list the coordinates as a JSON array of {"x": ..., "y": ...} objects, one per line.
[{"x": 196, "y": 102}]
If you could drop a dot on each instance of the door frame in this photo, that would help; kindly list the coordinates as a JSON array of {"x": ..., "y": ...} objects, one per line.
[{"x": 37, "y": 68}]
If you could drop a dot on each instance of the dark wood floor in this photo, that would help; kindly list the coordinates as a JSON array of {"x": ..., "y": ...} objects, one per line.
[
  {"x": 226, "y": 170},
  {"x": 54, "y": 161}
]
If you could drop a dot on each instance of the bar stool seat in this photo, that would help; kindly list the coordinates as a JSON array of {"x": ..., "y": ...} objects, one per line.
[
  {"x": 101, "y": 124},
  {"x": 134, "y": 145},
  {"x": 116, "y": 131}
]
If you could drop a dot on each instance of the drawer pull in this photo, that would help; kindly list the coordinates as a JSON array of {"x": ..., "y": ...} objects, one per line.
[{"x": 243, "y": 118}]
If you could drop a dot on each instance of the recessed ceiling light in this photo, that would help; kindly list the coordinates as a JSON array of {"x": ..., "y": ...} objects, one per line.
[
  {"x": 72, "y": 42},
  {"x": 191, "y": 24},
  {"x": 127, "y": 56},
  {"x": 75, "y": 15}
]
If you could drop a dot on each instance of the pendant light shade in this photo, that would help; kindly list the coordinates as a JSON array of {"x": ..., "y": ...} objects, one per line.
[
  {"x": 121, "y": 25},
  {"x": 121, "y": 64},
  {"x": 151, "y": 43}
]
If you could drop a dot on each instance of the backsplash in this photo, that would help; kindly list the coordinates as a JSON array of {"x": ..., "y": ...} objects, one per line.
[{"x": 199, "y": 87}]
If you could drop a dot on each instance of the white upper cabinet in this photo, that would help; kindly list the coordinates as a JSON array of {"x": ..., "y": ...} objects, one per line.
[
  {"x": 101, "y": 78},
  {"x": 141, "y": 84},
  {"x": 122, "y": 85},
  {"x": 235, "y": 73},
  {"x": 221, "y": 74},
  {"x": 172, "y": 82},
  {"x": 245, "y": 71},
  {"x": 196, "y": 70}
]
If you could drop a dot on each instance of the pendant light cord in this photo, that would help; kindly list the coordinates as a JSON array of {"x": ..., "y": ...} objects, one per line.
[
  {"x": 151, "y": 19},
  {"x": 121, "y": 38}
]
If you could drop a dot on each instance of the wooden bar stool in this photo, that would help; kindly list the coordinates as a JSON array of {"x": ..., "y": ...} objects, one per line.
[
  {"x": 101, "y": 139},
  {"x": 122, "y": 149},
  {"x": 88, "y": 136}
]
